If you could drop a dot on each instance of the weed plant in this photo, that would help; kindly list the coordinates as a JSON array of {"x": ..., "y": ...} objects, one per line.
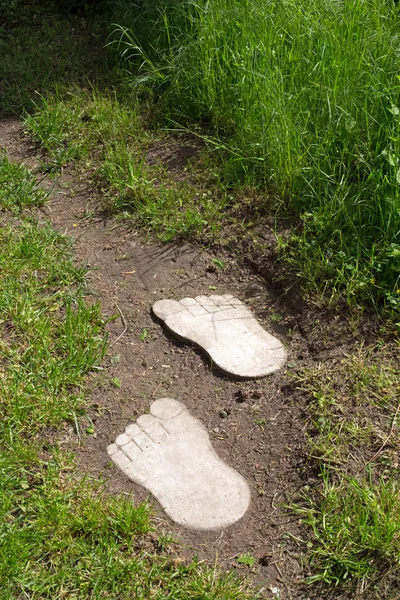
[{"x": 307, "y": 96}]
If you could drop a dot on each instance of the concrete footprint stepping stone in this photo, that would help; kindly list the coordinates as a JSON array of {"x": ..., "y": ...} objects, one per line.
[
  {"x": 169, "y": 452},
  {"x": 227, "y": 330}
]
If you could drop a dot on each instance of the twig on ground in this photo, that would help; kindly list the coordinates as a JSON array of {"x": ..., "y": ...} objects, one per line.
[
  {"x": 189, "y": 281},
  {"x": 124, "y": 324},
  {"x": 273, "y": 562},
  {"x": 78, "y": 433},
  {"x": 157, "y": 388}
]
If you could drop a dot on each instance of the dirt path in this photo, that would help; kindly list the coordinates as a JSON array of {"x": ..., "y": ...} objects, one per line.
[{"x": 256, "y": 426}]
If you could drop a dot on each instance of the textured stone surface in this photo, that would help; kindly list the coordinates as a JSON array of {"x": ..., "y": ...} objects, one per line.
[
  {"x": 226, "y": 329},
  {"x": 169, "y": 452}
]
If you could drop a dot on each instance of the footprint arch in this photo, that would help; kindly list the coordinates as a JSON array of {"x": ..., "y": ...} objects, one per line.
[
  {"x": 169, "y": 452},
  {"x": 228, "y": 332}
]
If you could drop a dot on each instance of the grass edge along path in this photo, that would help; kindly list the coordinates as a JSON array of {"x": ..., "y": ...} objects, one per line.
[
  {"x": 106, "y": 136},
  {"x": 304, "y": 97},
  {"x": 60, "y": 536}
]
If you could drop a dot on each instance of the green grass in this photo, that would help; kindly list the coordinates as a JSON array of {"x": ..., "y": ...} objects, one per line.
[
  {"x": 305, "y": 96},
  {"x": 82, "y": 112},
  {"x": 44, "y": 50},
  {"x": 300, "y": 100},
  {"x": 104, "y": 134},
  {"x": 352, "y": 513},
  {"x": 16, "y": 191},
  {"x": 61, "y": 535},
  {"x": 356, "y": 528},
  {"x": 351, "y": 405},
  {"x": 50, "y": 337}
]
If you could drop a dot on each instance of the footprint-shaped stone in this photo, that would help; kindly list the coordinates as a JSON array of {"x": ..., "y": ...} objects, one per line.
[
  {"x": 169, "y": 452},
  {"x": 226, "y": 329}
]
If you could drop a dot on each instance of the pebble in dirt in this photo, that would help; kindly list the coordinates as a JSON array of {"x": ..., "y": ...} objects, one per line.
[
  {"x": 169, "y": 452},
  {"x": 227, "y": 330}
]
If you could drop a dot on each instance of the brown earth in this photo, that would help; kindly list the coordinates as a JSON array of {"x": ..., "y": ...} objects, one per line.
[{"x": 258, "y": 427}]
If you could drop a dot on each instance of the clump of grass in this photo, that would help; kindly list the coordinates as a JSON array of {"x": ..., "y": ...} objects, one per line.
[
  {"x": 352, "y": 406},
  {"x": 62, "y": 537},
  {"x": 352, "y": 513},
  {"x": 49, "y": 337},
  {"x": 356, "y": 526},
  {"x": 71, "y": 129},
  {"x": 307, "y": 97},
  {"x": 16, "y": 190},
  {"x": 104, "y": 134}
]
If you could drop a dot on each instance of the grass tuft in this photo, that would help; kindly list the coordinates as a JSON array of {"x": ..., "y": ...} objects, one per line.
[
  {"x": 352, "y": 404},
  {"x": 103, "y": 133},
  {"x": 356, "y": 526},
  {"x": 352, "y": 512},
  {"x": 16, "y": 190}
]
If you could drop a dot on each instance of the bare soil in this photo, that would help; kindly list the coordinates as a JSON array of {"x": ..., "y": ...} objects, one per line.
[{"x": 258, "y": 427}]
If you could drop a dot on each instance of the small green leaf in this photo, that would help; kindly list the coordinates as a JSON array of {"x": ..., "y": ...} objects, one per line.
[
  {"x": 276, "y": 317},
  {"x": 218, "y": 263},
  {"x": 144, "y": 335},
  {"x": 116, "y": 382},
  {"x": 246, "y": 559}
]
